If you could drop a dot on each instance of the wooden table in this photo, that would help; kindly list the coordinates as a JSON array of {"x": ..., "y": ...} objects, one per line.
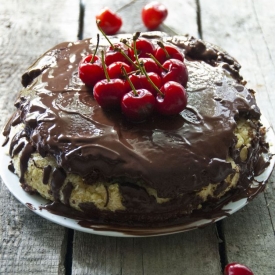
[{"x": 32, "y": 245}]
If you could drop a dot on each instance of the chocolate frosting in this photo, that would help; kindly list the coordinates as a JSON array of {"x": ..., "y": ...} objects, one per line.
[{"x": 174, "y": 155}]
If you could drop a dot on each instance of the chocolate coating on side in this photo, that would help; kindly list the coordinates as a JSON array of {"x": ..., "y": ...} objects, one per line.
[{"x": 173, "y": 155}]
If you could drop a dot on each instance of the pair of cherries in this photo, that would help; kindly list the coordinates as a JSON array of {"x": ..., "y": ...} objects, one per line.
[
  {"x": 137, "y": 78},
  {"x": 152, "y": 14}
]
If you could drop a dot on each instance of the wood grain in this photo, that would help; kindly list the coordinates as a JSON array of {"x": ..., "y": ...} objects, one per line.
[
  {"x": 175, "y": 254},
  {"x": 244, "y": 29},
  {"x": 28, "y": 243}
]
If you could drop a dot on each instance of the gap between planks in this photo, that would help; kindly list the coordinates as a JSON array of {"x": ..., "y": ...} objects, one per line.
[
  {"x": 199, "y": 18},
  {"x": 222, "y": 244},
  {"x": 68, "y": 262}
]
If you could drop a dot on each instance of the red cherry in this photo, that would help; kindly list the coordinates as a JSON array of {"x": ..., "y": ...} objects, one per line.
[
  {"x": 108, "y": 93},
  {"x": 144, "y": 47},
  {"x": 114, "y": 70},
  {"x": 237, "y": 269},
  {"x": 90, "y": 73},
  {"x": 176, "y": 71},
  {"x": 153, "y": 14},
  {"x": 174, "y": 99},
  {"x": 140, "y": 82},
  {"x": 137, "y": 80},
  {"x": 149, "y": 64},
  {"x": 110, "y": 22},
  {"x": 156, "y": 80},
  {"x": 138, "y": 105},
  {"x": 173, "y": 52},
  {"x": 113, "y": 55}
]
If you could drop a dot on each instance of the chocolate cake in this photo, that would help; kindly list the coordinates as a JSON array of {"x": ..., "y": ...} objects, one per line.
[{"x": 71, "y": 151}]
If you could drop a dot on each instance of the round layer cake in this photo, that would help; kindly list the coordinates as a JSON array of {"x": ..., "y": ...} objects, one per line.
[{"x": 71, "y": 151}]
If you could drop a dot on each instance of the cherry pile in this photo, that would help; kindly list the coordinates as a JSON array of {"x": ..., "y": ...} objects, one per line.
[{"x": 137, "y": 77}]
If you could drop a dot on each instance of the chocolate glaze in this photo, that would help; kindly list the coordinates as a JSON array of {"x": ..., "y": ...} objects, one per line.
[
  {"x": 46, "y": 174},
  {"x": 26, "y": 154},
  {"x": 11, "y": 167},
  {"x": 66, "y": 191},
  {"x": 58, "y": 177},
  {"x": 174, "y": 155}
]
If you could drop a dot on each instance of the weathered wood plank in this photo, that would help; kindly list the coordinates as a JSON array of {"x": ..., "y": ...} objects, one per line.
[
  {"x": 245, "y": 29},
  {"x": 249, "y": 237},
  {"x": 176, "y": 254},
  {"x": 28, "y": 243},
  {"x": 241, "y": 28},
  {"x": 182, "y": 16},
  {"x": 189, "y": 253}
]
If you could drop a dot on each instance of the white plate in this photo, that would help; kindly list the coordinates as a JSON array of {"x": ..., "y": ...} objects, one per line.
[{"x": 34, "y": 202}]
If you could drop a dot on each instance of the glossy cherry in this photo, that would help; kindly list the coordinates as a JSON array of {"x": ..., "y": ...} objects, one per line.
[
  {"x": 175, "y": 71},
  {"x": 237, "y": 269},
  {"x": 113, "y": 54},
  {"x": 173, "y": 100},
  {"x": 140, "y": 82},
  {"x": 153, "y": 14},
  {"x": 138, "y": 105},
  {"x": 90, "y": 73},
  {"x": 170, "y": 52},
  {"x": 144, "y": 47},
  {"x": 149, "y": 64},
  {"x": 110, "y": 22},
  {"x": 114, "y": 70},
  {"x": 108, "y": 94}
]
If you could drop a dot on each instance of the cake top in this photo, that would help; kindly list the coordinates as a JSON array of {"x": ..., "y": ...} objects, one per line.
[{"x": 63, "y": 119}]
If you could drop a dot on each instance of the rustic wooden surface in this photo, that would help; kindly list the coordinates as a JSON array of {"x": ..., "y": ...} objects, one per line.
[{"x": 32, "y": 245}]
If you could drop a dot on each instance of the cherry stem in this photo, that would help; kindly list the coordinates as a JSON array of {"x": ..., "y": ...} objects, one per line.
[
  {"x": 135, "y": 37},
  {"x": 129, "y": 81},
  {"x": 124, "y": 41},
  {"x": 126, "y": 56},
  {"x": 149, "y": 79},
  {"x": 164, "y": 49},
  {"x": 104, "y": 34},
  {"x": 97, "y": 44},
  {"x": 158, "y": 63},
  {"x": 134, "y": 72},
  {"x": 104, "y": 67},
  {"x": 115, "y": 48}
]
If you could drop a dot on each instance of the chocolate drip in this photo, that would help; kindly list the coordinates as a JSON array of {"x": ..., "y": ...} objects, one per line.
[
  {"x": 18, "y": 148},
  {"x": 11, "y": 167},
  {"x": 108, "y": 196},
  {"x": 5, "y": 141},
  {"x": 67, "y": 191},
  {"x": 15, "y": 141},
  {"x": 29, "y": 76},
  {"x": 24, "y": 159},
  {"x": 7, "y": 127},
  {"x": 46, "y": 174},
  {"x": 58, "y": 177}
]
